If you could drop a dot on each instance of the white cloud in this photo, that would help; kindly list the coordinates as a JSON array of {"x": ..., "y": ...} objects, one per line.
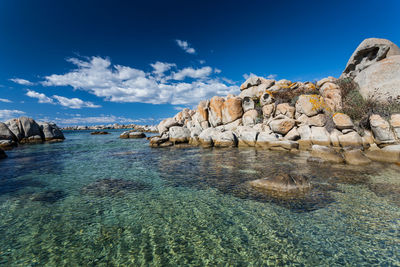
[
  {"x": 5, "y": 100},
  {"x": 160, "y": 67},
  {"x": 74, "y": 103},
  {"x": 21, "y": 81},
  {"x": 217, "y": 70},
  {"x": 272, "y": 76},
  {"x": 192, "y": 73},
  {"x": 185, "y": 46},
  {"x": 6, "y": 114},
  {"x": 246, "y": 76},
  {"x": 202, "y": 61},
  {"x": 41, "y": 97},
  {"x": 117, "y": 83}
]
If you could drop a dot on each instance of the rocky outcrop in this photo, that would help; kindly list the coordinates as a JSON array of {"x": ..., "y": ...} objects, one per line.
[
  {"x": 26, "y": 130},
  {"x": 375, "y": 67},
  {"x": 132, "y": 135},
  {"x": 288, "y": 116}
]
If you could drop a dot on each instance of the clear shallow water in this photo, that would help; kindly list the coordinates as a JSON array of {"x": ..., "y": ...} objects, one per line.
[{"x": 168, "y": 207}]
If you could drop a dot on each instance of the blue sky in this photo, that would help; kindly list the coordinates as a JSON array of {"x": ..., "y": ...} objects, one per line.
[{"x": 100, "y": 62}]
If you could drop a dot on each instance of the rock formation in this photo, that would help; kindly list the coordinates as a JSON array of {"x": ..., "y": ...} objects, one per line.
[
  {"x": 292, "y": 116},
  {"x": 26, "y": 130},
  {"x": 375, "y": 67}
]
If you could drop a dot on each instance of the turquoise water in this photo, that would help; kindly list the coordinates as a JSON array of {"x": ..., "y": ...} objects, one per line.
[{"x": 105, "y": 201}]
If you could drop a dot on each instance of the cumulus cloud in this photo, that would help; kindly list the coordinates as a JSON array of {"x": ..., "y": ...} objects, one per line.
[
  {"x": 74, "y": 103},
  {"x": 6, "y": 114},
  {"x": 5, "y": 100},
  {"x": 21, "y": 81},
  {"x": 42, "y": 98},
  {"x": 185, "y": 46},
  {"x": 118, "y": 83},
  {"x": 192, "y": 73},
  {"x": 272, "y": 76}
]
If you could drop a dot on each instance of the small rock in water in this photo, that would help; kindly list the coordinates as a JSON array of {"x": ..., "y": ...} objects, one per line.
[
  {"x": 99, "y": 133},
  {"x": 49, "y": 196},
  {"x": 113, "y": 187},
  {"x": 283, "y": 184}
]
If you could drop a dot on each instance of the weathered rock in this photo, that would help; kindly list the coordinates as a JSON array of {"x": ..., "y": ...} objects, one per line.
[
  {"x": 350, "y": 139},
  {"x": 293, "y": 134},
  {"x": 202, "y": 110},
  {"x": 250, "y": 117},
  {"x": 285, "y": 109},
  {"x": 232, "y": 110},
  {"x": 381, "y": 80},
  {"x": 166, "y": 124},
  {"x": 160, "y": 141},
  {"x": 342, "y": 121},
  {"x": 321, "y": 82},
  {"x": 283, "y": 184},
  {"x": 15, "y": 127},
  {"x": 6, "y": 133},
  {"x": 266, "y": 98},
  {"x": 268, "y": 111},
  {"x": 320, "y": 136},
  {"x": 179, "y": 134},
  {"x": 264, "y": 139},
  {"x": 206, "y": 137},
  {"x": 247, "y": 104},
  {"x": 183, "y": 115},
  {"x": 51, "y": 131},
  {"x": 253, "y": 92},
  {"x": 305, "y": 137},
  {"x": 246, "y": 136},
  {"x": 225, "y": 139},
  {"x": 381, "y": 130},
  {"x": 317, "y": 120},
  {"x": 355, "y": 157},
  {"x": 124, "y": 135},
  {"x": 367, "y": 139},
  {"x": 283, "y": 145},
  {"x": 395, "y": 123},
  {"x": 367, "y": 54},
  {"x": 3, "y": 154},
  {"x": 31, "y": 130},
  {"x": 326, "y": 154},
  {"x": 309, "y": 105},
  {"x": 282, "y": 124},
  {"x": 334, "y": 136},
  {"x": 137, "y": 135},
  {"x": 215, "y": 110},
  {"x": 254, "y": 81},
  {"x": 390, "y": 153}
]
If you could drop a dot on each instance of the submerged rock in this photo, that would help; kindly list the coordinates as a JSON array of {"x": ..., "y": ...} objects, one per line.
[
  {"x": 283, "y": 184},
  {"x": 113, "y": 187},
  {"x": 49, "y": 196}
]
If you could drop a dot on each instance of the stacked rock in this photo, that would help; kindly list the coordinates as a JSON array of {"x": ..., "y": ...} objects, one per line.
[{"x": 27, "y": 130}]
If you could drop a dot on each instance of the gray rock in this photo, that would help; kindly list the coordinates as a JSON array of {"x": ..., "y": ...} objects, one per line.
[
  {"x": 247, "y": 104},
  {"x": 320, "y": 136},
  {"x": 266, "y": 99},
  {"x": 6, "y": 134},
  {"x": 381, "y": 80},
  {"x": 31, "y": 130},
  {"x": 179, "y": 134},
  {"x": 15, "y": 127},
  {"x": 250, "y": 118},
  {"x": 166, "y": 124},
  {"x": 254, "y": 81},
  {"x": 381, "y": 130},
  {"x": 282, "y": 124},
  {"x": 51, "y": 131},
  {"x": 370, "y": 51},
  {"x": 225, "y": 139},
  {"x": 309, "y": 105}
]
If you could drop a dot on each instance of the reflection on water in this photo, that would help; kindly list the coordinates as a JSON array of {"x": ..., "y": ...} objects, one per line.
[{"x": 101, "y": 200}]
